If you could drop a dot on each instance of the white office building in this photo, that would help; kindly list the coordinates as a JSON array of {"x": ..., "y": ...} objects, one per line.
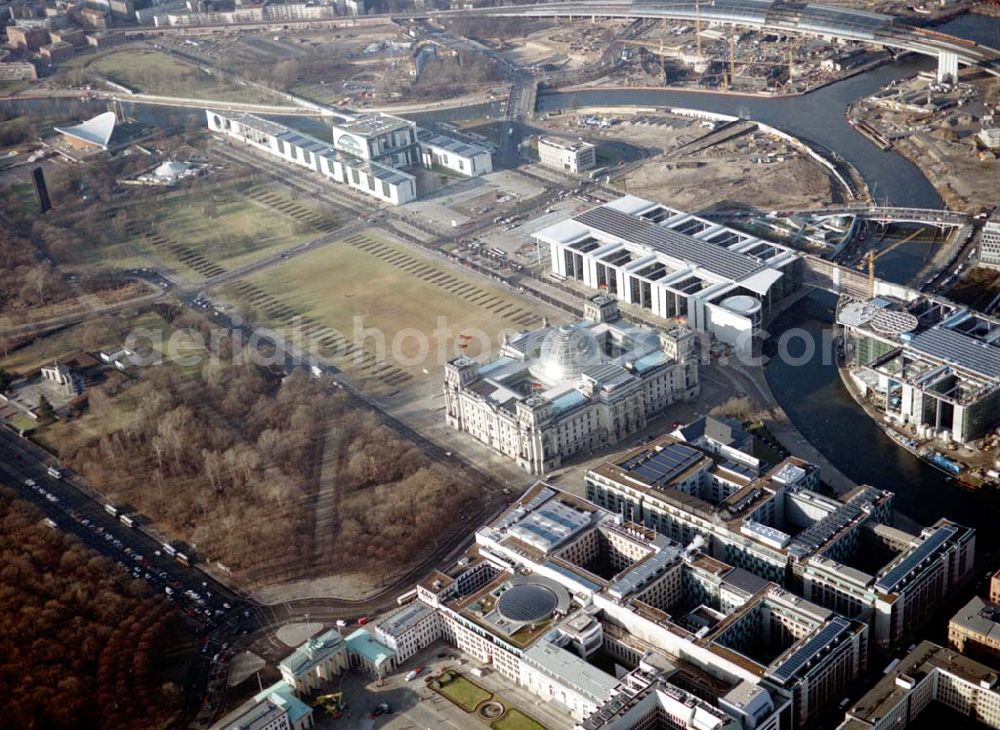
[
  {"x": 676, "y": 265},
  {"x": 370, "y": 153},
  {"x": 361, "y": 174},
  {"x": 455, "y": 155},
  {"x": 555, "y": 580},
  {"x": 567, "y": 155},
  {"x": 989, "y": 242}
]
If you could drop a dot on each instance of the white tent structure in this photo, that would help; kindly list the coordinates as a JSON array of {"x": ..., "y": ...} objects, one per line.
[
  {"x": 171, "y": 170},
  {"x": 94, "y": 132}
]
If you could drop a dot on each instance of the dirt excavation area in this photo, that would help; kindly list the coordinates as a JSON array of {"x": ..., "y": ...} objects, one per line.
[
  {"x": 730, "y": 179},
  {"x": 694, "y": 163}
]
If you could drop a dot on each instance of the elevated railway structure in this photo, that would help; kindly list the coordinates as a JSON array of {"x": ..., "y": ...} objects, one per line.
[
  {"x": 811, "y": 19},
  {"x": 783, "y": 16}
]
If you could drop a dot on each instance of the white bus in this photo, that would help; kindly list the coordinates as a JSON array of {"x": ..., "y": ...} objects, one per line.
[
  {"x": 169, "y": 549},
  {"x": 127, "y": 521},
  {"x": 50, "y": 522},
  {"x": 406, "y": 597},
  {"x": 55, "y": 473},
  {"x": 182, "y": 559},
  {"x": 111, "y": 510}
]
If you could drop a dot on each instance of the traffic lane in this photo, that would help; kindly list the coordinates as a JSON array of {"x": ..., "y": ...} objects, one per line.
[
  {"x": 73, "y": 506},
  {"x": 80, "y": 515},
  {"x": 112, "y": 544}
]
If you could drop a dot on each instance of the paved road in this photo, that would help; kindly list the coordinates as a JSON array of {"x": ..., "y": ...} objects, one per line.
[{"x": 218, "y": 614}]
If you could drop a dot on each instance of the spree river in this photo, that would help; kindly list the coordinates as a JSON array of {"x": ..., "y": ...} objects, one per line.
[{"x": 811, "y": 391}]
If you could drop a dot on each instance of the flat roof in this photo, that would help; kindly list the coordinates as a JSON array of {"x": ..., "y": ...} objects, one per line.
[
  {"x": 979, "y": 617},
  {"x": 570, "y": 669},
  {"x": 455, "y": 146},
  {"x": 661, "y": 466},
  {"x": 406, "y": 617},
  {"x": 789, "y": 667},
  {"x": 715, "y": 259},
  {"x": 564, "y": 144},
  {"x": 959, "y": 350},
  {"x": 895, "y": 575},
  {"x": 922, "y": 661},
  {"x": 373, "y": 124}
]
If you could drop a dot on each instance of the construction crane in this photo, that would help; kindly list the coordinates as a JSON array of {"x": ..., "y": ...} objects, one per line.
[
  {"x": 730, "y": 59},
  {"x": 697, "y": 29},
  {"x": 872, "y": 255}
]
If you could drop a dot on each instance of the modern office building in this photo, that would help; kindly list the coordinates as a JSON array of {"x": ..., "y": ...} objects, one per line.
[
  {"x": 928, "y": 674},
  {"x": 567, "y": 155},
  {"x": 989, "y": 241},
  {"x": 676, "y": 265},
  {"x": 370, "y": 153},
  {"x": 842, "y": 552},
  {"x": 928, "y": 364},
  {"x": 569, "y": 389},
  {"x": 361, "y": 174},
  {"x": 409, "y": 630},
  {"x": 556, "y": 587},
  {"x": 470, "y": 160}
]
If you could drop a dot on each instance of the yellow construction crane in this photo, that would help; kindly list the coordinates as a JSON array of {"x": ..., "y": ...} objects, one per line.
[{"x": 872, "y": 255}]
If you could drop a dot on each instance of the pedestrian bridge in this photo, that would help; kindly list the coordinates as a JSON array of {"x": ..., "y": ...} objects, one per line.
[
  {"x": 778, "y": 15},
  {"x": 928, "y": 216}
]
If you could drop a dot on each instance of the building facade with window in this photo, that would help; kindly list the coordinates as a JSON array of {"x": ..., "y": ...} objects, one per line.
[
  {"x": 369, "y": 153},
  {"x": 570, "y": 389},
  {"x": 676, "y": 265}
]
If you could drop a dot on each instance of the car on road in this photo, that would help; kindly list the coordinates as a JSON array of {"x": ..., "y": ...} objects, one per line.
[
  {"x": 383, "y": 709},
  {"x": 413, "y": 674}
]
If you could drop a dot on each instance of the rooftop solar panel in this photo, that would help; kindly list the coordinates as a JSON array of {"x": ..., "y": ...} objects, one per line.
[
  {"x": 791, "y": 666},
  {"x": 660, "y": 467},
  {"x": 891, "y": 580},
  {"x": 718, "y": 260},
  {"x": 959, "y": 350}
]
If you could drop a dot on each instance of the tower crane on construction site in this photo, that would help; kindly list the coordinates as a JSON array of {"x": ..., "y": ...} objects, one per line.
[{"x": 873, "y": 255}]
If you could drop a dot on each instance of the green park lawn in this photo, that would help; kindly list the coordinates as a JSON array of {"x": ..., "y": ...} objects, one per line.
[
  {"x": 516, "y": 720},
  {"x": 155, "y": 72},
  {"x": 461, "y": 691}
]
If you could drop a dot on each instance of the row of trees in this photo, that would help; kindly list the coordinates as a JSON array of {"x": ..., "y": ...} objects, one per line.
[
  {"x": 231, "y": 458},
  {"x": 75, "y": 639}
]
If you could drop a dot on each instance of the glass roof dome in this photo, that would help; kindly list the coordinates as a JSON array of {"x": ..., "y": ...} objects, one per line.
[{"x": 567, "y": 351}]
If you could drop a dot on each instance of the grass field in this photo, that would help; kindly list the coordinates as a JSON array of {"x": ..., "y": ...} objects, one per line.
[
  {"x": 196, "y": 231},
  {"x": 422, "y": 309},
  {"x": 461, "y": 691},
  {"x": 155, "y": 72},
  {"x": 516, "y": 720}
]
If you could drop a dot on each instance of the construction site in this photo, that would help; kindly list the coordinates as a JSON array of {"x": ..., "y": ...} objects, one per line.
[
  {"x": 742, "y": 61},
  {"x": 940, "y": 127}
]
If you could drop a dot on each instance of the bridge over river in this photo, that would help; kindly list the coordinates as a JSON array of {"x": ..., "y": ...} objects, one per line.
[{"x": 778, "y": 15}]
